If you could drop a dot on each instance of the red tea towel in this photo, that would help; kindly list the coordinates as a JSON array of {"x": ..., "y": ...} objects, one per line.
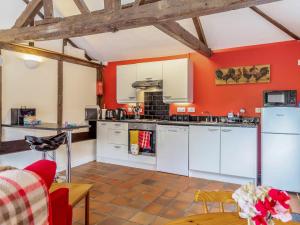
[
  {"x": 23, "y": 198},
  {"x": 144, "y": 139}
]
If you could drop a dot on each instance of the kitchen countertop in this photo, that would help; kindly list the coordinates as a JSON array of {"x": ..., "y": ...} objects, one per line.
[
  {"x": 184, "y": 123},
  {"x": 47, "y": 126}
]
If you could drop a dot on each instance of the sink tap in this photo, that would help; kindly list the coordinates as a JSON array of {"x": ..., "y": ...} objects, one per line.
[{"x": 209, "y": 117}]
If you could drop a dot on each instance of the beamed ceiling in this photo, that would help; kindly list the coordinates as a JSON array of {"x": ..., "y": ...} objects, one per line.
[{"x": 153, "y": 29}]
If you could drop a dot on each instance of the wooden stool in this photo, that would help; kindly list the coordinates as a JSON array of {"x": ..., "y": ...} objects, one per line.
[{"x": 76, "y": 193}]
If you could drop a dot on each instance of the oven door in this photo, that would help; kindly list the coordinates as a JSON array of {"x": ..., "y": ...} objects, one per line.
[{"x": 142, "y": 142}]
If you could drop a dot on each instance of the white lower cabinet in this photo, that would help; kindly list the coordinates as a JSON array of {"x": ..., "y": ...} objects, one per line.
[
  {"x": 205, "y": 147},
  {"x": 112, "y": 141},
  {"x": 239, "y": 151},
  {"x": 223, "y": 153}
]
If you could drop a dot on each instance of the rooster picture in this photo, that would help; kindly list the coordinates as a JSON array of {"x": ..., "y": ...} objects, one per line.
[
  {"x": 237, "y": 76},
  {"x": 247, "y": 74},
  {"x": 262, "y": 72}
]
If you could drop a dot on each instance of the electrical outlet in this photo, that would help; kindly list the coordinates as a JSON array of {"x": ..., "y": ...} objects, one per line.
[
  {"x": 181, "y": 109},
  {"x": 257, "y": 110},
  {"x": 298, "y": 62},
  {"x": 191, "y": 109},
  {"x": 129, "y": 110}
]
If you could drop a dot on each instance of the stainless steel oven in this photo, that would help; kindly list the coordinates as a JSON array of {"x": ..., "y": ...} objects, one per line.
[
  {"x": 280, "y": 98},
  {"x": 137, "y": 128}
]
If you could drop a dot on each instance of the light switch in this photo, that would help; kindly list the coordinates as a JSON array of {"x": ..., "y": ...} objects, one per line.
[
  {"x": 298, "y": 62},
  {"x": 257, "y": 110},
  {"x": 191, "y": 109},
  {"x": 181, "y": 109}
]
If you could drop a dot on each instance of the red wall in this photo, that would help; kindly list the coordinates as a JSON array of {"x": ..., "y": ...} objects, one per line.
[{"x": 218, "y": 100}]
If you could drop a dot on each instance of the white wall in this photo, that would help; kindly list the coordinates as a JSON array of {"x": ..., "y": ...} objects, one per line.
[{"x": 38, "y": 88}]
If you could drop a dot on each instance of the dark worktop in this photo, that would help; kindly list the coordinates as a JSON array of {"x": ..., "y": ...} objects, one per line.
[
  {"x": 48, "y": 126},
  {"x": 185, "y": 123}
]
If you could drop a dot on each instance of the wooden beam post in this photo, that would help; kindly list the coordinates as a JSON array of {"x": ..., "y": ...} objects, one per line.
[
  {"x": 100, "y": 78},
  {"x": 82, "y": 6},
  {"x": 102, "y": 21},
  {"x": 176, "y": 31},
  {"x": 199, "y": 29},
  {"x": 29, "y": 13},
  {"x": 112, "y": 4},
  {"x": 275, "y": 23},
  {"x": 48, "y": 9}
]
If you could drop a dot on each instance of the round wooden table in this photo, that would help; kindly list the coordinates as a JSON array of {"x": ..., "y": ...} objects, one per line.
[{"x": 217, "y": 219}]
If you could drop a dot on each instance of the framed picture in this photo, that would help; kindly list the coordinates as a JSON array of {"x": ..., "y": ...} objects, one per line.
[{"x": 243, "y": 75}]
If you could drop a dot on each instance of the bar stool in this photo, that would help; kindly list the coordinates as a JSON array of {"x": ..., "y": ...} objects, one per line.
[{"x": 47, "y": 144}]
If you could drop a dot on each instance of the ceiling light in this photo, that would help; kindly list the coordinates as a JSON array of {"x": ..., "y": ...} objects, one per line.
[{"x": 32, "y": 61}]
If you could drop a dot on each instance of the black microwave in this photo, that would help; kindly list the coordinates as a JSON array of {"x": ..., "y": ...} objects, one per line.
[{"x": 280, "y": 98}]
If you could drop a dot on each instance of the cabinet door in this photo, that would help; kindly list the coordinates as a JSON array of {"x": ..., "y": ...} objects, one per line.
[
  {"x": 149, "y": 71},
  {"x": 239, "y": 151},
  {"x": 102, "y": 137},
  {"x": 126, "y": 76},
  {"x": 117, "y": 136},
  {"x": 175, "y": 80},
  {"x": 204, "y": 147}
]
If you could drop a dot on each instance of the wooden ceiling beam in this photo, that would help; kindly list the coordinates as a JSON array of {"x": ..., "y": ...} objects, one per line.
[
  {"x": 81, "y": 5},
  {"x": 199, "y": 29},
  {"x": 112, "y": 4},
  {"x": 108, "y": 21},
  {"x": 48, "y": 9},
  {"x": 47, "y": 54},
  {"x": 275, "y": 23},
  {"x": 41, "y": 15},
  {"x": 176, "y": 31},
  {"x": 29, "y": 13}
]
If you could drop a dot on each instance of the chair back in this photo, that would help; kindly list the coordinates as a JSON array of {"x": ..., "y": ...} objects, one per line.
[{"x": 221, "y": 197}]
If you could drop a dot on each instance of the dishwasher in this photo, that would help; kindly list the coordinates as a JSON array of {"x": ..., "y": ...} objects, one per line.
[{"x": 173, "y": 149}]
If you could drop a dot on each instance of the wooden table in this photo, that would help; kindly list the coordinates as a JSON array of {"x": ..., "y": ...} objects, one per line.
[
  {"x": 217, "y": 219},
  {"x": 77, "y": 192}
]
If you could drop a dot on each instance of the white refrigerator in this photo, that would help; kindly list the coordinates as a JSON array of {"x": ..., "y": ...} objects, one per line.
[{"x": 281, "y": 148}]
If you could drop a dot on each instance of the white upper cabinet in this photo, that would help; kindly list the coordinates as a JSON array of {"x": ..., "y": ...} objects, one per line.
[
  {"x": 126, "y": 76},
  {"x": 178, "y": 81},
  {"x": 149, "y": 71},
  {"x": 239, "y": 151}
]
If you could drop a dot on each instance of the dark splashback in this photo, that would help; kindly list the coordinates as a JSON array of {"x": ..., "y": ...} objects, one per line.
[{"x": 154, "y": 106}]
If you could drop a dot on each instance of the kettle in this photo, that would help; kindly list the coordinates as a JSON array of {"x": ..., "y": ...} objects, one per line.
[
  {"x": 121, "y": 114},
  {"x": 110, "y": 114}
]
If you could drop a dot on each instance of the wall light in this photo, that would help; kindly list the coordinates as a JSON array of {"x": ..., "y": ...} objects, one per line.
[{"x": 32, "y": 61}]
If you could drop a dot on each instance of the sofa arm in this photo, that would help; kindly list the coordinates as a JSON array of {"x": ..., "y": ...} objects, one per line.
[{"x": 60, "y": 209}]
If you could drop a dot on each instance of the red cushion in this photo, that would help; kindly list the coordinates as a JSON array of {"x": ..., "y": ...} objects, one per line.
[
  {"x": 46, "y": 169},
  {"x": 61, "y": 211}
]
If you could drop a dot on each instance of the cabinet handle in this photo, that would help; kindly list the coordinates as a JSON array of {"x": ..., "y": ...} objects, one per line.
[
  {"x": 117, "y": 125},
  {"x": 212, "y": 130},
  {"x": 280, "y": 115},
  {"x": 148, "y": 78},
  {"x": 117, "y": 147},
  {"x": 226, "y": 130},
  {"x": 103, "y": 124},
  {"x": 132, "y": 97},
  {"x": 117, "y": 132},
  {"x": 167, "y": 96},
  {"x": 175, "y": 131}
]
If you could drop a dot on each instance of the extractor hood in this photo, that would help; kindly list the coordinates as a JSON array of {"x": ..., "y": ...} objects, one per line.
[{"x": 148, "y": 84}]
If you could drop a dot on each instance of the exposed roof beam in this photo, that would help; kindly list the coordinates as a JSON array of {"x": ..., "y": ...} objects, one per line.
[
  {"x": 107, "y": 21},
  {"x": 112, "y": 4},
  {"x": 41, "y": 15},
  {"x": 176, "y": 31},
  {"x": 81, "y": 5},
  {"x": 47, "y": 54},
  {"x": 29, "y": 13},
  {"x": 48, "y": 9},
  {"x": 199, "y": 29},
  {"x": 275, "y": 23},
  {"x": 138, "y": 2}
]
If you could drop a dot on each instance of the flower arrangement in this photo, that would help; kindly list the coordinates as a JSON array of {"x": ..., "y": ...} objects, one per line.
[{"x": 260, "y": 205}]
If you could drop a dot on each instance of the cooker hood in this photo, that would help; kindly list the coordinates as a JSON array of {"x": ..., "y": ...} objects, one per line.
[{"x": 148, "y": 84}]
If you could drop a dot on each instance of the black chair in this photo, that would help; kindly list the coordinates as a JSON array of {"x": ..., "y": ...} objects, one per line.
[{"x": 46, "y": 144}]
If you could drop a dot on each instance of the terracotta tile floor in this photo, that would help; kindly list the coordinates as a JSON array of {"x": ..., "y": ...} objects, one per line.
[{"x": 129, "y": 196}]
